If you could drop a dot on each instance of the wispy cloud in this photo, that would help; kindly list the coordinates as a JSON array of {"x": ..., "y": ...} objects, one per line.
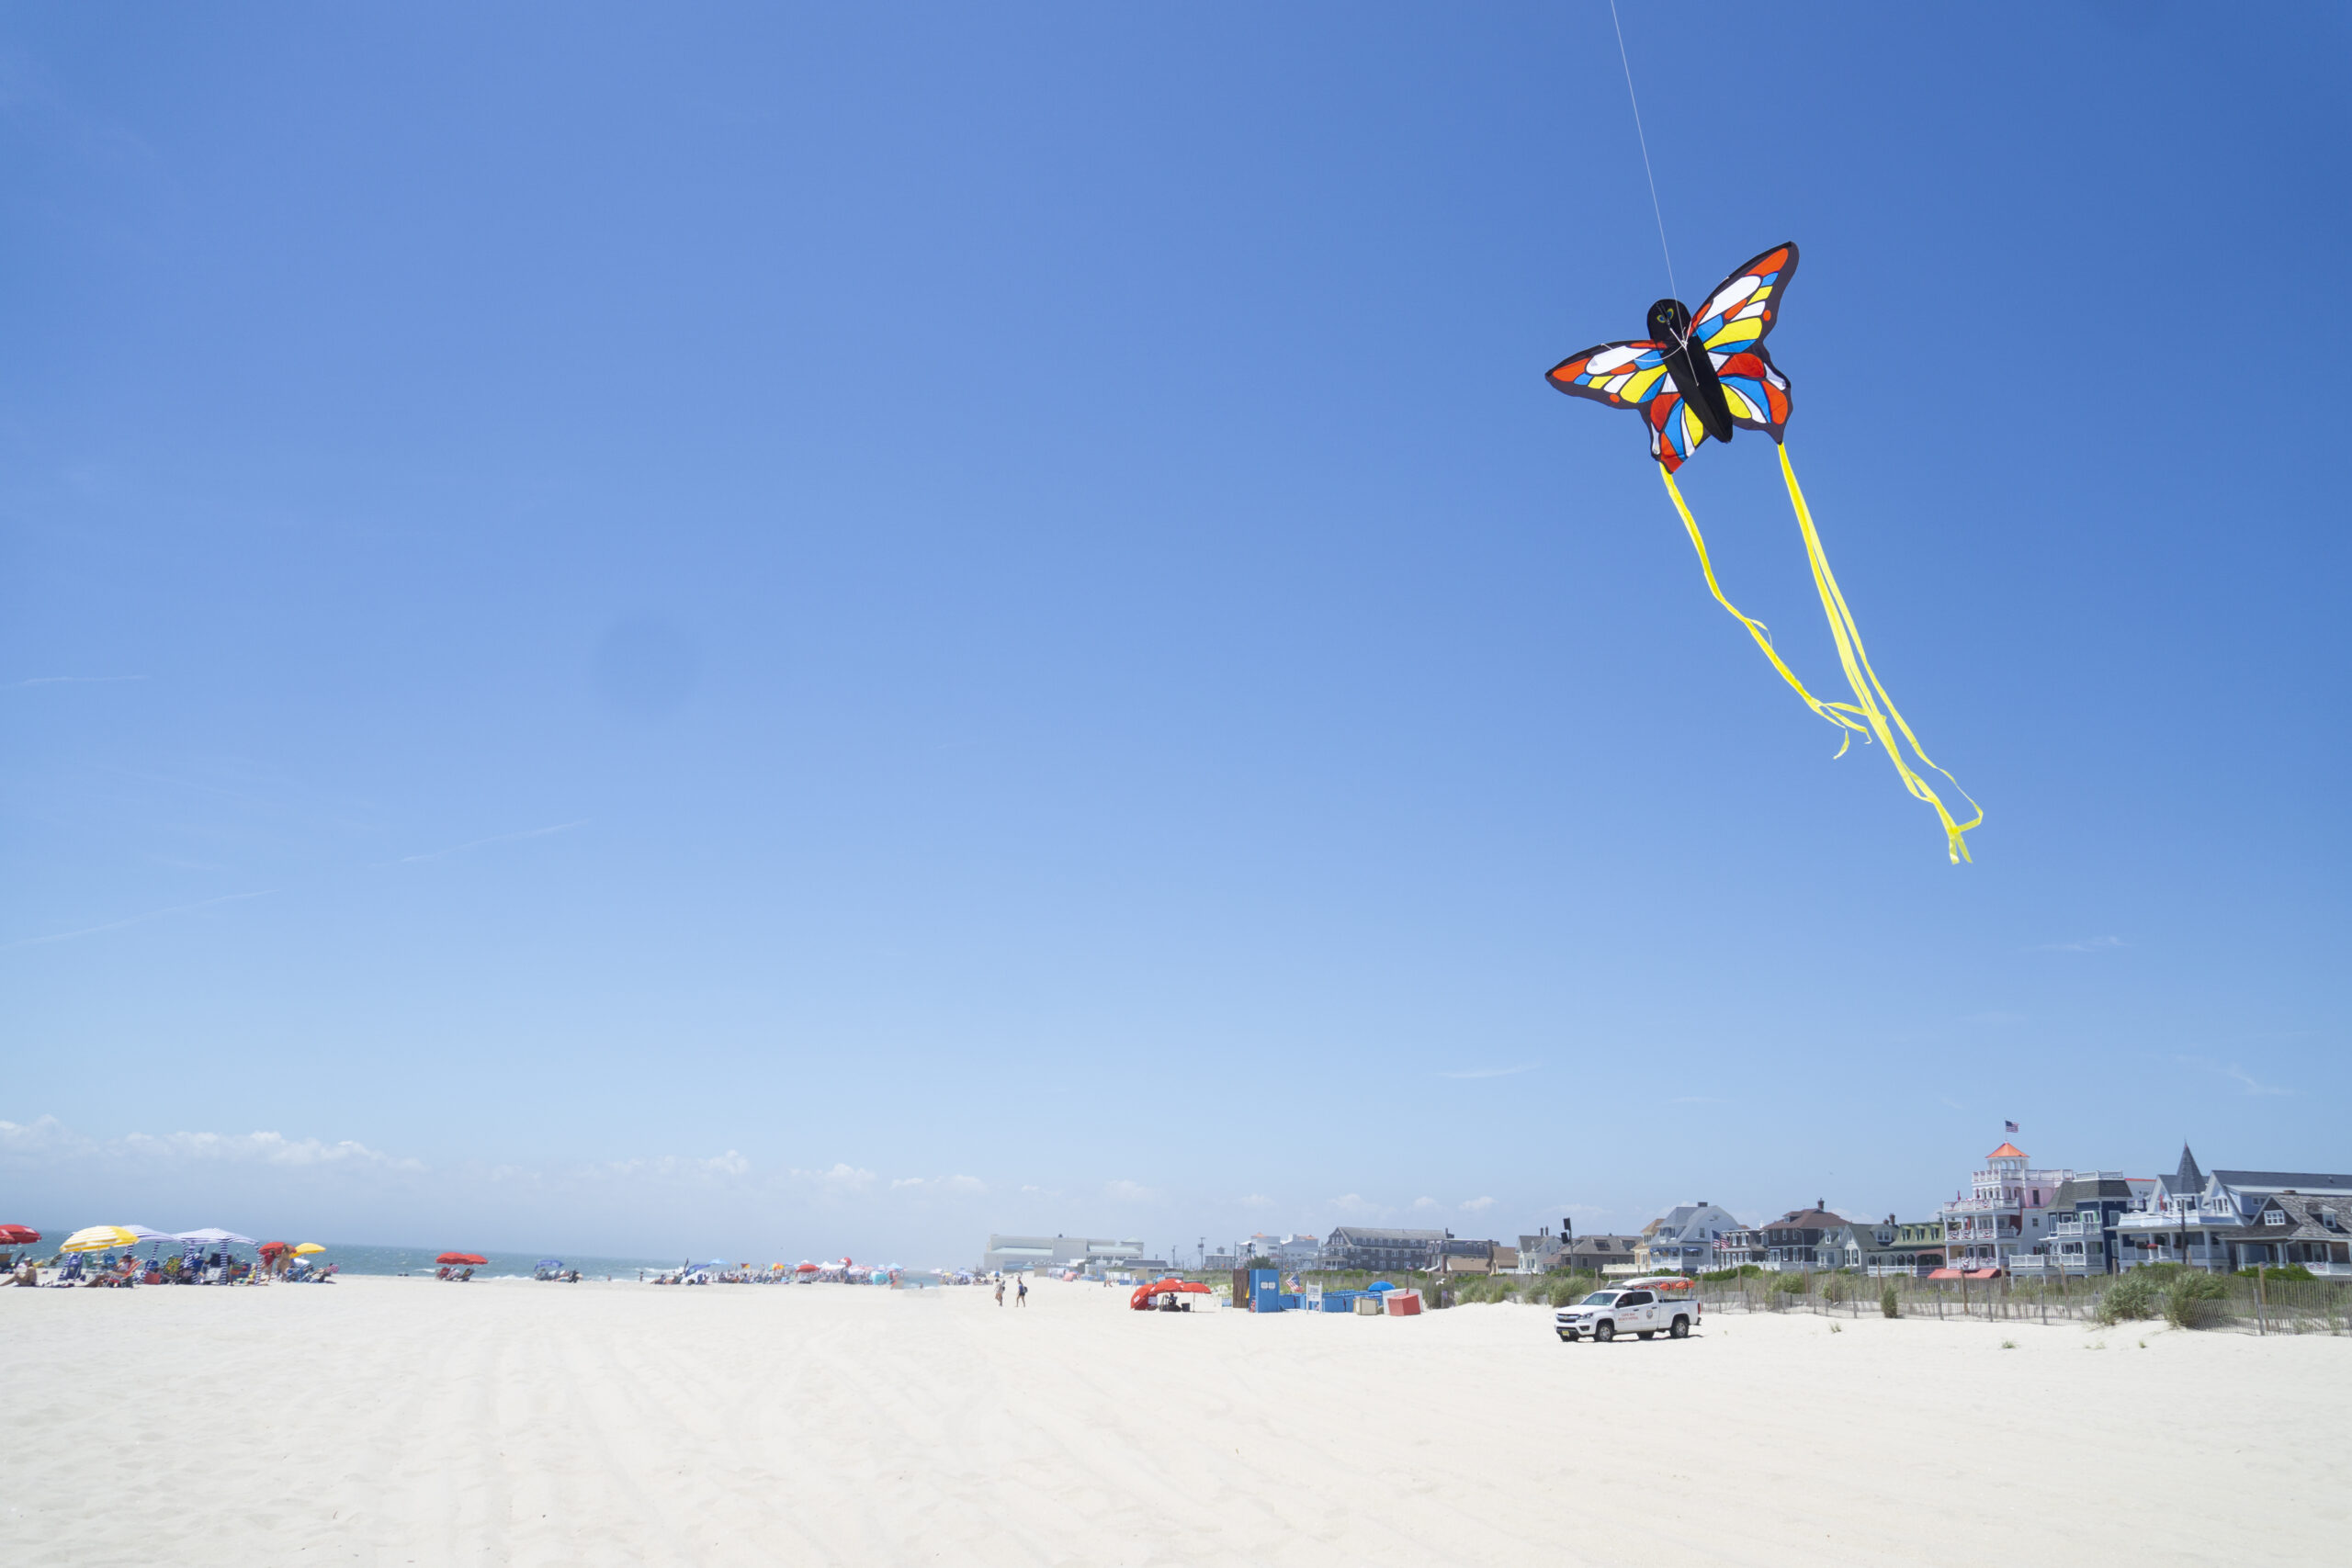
[
  {"x": 1126, "y": 1191},
  {"x": 134, "y": 920},
  {"x": 1425, "y": 1203},
  {"x": 1257, "y": 1200},
  {"x": 1494, "y": 1072},
  {"x": 1477, "y": 1205},
  {"x": 493, "y": 839},
  {"x": 70, "y": 680},
  {"x": 2252, "y": 1086},
  {"x": 2088, "y": 944},
  {"x": 2247, "y": 1083}
]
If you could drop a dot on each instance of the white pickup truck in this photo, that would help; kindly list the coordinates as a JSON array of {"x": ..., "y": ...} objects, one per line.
[{"x": 1666, "y": 1305}]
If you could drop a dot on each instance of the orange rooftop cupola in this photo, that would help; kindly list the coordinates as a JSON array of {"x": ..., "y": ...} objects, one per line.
[{"x": 2007, "y": 1151}]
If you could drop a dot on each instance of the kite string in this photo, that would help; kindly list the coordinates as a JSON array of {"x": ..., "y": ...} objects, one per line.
[
  {"x": 1869, "y": 693},
  {"x": 1672, "y": 292},
  {"x": 1758, "y": 630}
]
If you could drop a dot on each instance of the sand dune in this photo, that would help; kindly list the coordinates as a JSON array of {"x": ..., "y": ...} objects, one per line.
[{"x": 398, "y": 1421}]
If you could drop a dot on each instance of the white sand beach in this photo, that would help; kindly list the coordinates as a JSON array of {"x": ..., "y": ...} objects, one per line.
[{"x": 398, "y": 1421}]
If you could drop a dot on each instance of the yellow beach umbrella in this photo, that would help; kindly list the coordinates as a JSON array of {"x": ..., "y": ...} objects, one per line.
[
  {"x": 101, "y": 1238},
  {"x": 309, "y": 1246}
]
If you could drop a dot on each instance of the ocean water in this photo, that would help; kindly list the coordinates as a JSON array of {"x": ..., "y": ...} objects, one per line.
[{"x": 362, "y": 1260}]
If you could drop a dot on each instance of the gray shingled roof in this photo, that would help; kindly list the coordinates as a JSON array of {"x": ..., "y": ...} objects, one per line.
[
  {"x": 2303, "y": 1219},
  {"x": 2301, "y": 1181}
]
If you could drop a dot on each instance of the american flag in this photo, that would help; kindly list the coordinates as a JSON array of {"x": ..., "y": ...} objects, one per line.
[{"x": 2011, "y": 1126}]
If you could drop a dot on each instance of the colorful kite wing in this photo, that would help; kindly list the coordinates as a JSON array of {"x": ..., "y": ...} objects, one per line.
[
  {"x": 1745, "y": 305},
  {"x": 1754, "y": 387},
  {"x": 1675, "y": 430},
  {"x": 1622, "y": 375},
  {"x": 1633, "y": 376}
]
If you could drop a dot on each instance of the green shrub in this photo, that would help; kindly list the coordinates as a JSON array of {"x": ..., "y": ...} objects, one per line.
[
  {"x": 1792, "y": 1284},
  {"x": 2138, "y": 1294},
  {"x": 1746, "y": 1270},
  {"x": 1888, "y": 1304},
  {"x": 2194, "y": 1300},
  {"x": 2294, "y": 1271},
  {"x": 1567, "y": 1288},
  {"x": 1836, "y": 1287}
]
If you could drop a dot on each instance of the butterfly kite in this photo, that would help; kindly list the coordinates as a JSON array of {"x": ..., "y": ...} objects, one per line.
[{"x": 1707, "y": 376}]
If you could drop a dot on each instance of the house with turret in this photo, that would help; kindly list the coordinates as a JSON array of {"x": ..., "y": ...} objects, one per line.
[{"x": 2008, "y": 1210}]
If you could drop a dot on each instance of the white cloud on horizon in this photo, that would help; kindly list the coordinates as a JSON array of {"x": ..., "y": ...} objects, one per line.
[
  {"x": 972, "y": 1184},
  {"x": 1257, "y": 1200},
  {"x": 838, "y": 1178},
  {"x": 46, "y": 1139},
  {"x": 1476, "y": 1205}
]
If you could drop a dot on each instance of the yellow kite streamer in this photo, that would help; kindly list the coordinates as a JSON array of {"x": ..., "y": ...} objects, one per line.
[{"x": 1869, "y": 697}]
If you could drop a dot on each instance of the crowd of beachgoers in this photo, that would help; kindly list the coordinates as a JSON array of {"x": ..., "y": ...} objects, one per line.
[
  {"x": 717, "y": 1271},
  {"x": 108, "y": 1258},
  {"x": 118, "y": 1256}
]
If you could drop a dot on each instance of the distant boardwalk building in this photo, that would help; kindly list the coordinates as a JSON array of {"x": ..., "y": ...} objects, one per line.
[
  {"x": 1012, "y": 1252},
  {"x": 1362, "y": 1246}
]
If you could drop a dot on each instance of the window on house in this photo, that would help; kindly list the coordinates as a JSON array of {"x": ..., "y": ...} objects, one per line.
[{"x": 2274, "y": 1217}]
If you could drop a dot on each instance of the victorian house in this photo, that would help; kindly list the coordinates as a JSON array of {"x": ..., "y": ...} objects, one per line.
[
  {"x": 2229, "y": 1220},
  {"x": 2008, "y": 1211}
]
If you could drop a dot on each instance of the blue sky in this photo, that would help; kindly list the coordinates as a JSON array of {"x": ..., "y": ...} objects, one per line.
[{"x": 801, "y": 632}]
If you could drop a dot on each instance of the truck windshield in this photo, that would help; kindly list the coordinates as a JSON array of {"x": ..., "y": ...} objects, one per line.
[{"x": 1600, "y": 1299}]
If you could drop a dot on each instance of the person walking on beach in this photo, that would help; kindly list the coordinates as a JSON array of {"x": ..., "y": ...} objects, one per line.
[
  {"x": 1020, "y": 1297},
  {"x": 1000, "y": 1293}
]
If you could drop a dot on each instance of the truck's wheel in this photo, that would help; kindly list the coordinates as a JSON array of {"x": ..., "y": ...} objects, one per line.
[
  {"x": 1681, "y": 1329},
  {"x": 1602, "y": 1333}
]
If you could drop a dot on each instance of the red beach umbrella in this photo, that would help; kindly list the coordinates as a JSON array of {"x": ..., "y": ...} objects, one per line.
[
  {"x": 474, "y": 1259},
  {"x": 18, "y": 1235},
  {"x": 272, "y": 1249}
]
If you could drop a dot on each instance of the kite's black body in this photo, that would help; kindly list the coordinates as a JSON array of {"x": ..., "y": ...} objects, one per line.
[{"x": 1692, "y": 370}]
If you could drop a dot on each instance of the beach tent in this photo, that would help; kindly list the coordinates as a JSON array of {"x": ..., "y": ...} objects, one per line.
[
  {"x": 214, "y": 1236},
  {"x": 1147, "y": 1297}
]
